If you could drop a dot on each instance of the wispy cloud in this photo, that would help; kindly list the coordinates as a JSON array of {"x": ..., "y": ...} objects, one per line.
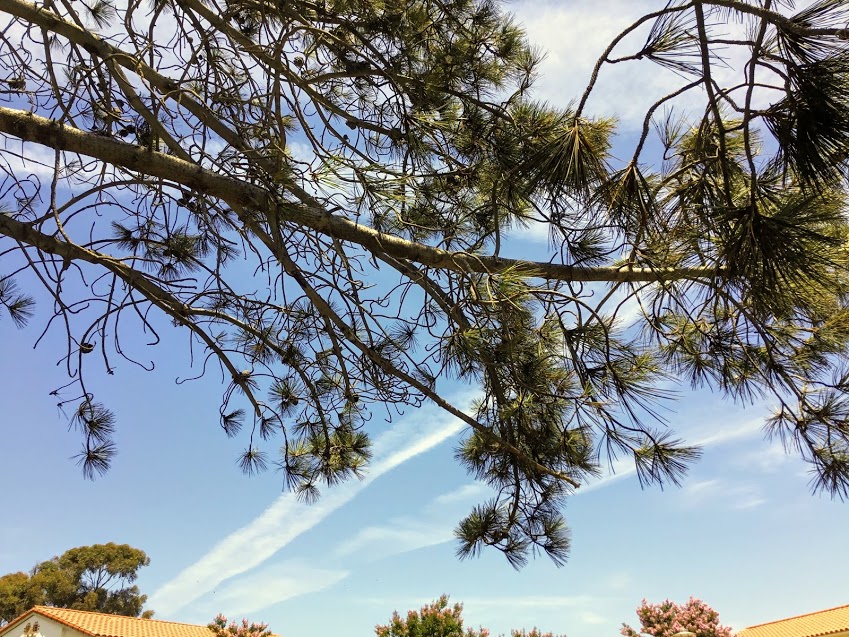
[
  {"x": 725, "y": 435},
  {"x": 722, "y": 493},
  {"x": 401, "y": 536},
  {"x": 767, "y": 459},
  {"x": 592, "y": 618},
  {"x": 287, "y": 518},
  {"x": 623, "y": 91},
  {"x": 624, "y": 467},
  {"x": 702, "y": 488},
  {"x": 565, "y": 71},
  {"x": 619, "y": 470},
  {"x": 300, "y": 151},
  {"x": 264, "y": 587},
  {"x": 433, "y": 525},
  {"x": 474, "y": 490},
  {"x": 619, "y": 581},
  {"x": 31, "y": 159},
  {"x": 748, "y": 499}
]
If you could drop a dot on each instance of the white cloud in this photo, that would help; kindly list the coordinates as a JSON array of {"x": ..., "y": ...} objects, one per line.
[
  {"x": 400, "y": 537},
  {"x": 730, "y": 434},
  {"x": 694, "y": 494},
  {"x": 28, "y": 158},
  {"x": 766, "y": 459},
  {"x": 624, "y": 90},
  {"x": 749, "y": 502},
  {"x": 570, "y": 59},
  {"x": 624, "y": 467},
  {"x": 592, "y": 618},
  {"x": 619, "y": 470},
  {"x": 467, "y": 492},
  {"x": 533, "y": 231},
  {"x": 620, "y": 581},
  {"x": 699, "y": 489},
  {"x": 720, "y": 493},
  {"x": 286, "y": 518},
  {"x": 260, "y": 589},
  {"x": 434, "y": 525},
  {"x": 574, "y": 36},
  {"x": 300, "y": 151}
]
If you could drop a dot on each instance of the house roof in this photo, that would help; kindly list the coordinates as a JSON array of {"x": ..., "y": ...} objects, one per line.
[
  {"x": 104, "y": 625},
  {"x": 824, "y": 622}
]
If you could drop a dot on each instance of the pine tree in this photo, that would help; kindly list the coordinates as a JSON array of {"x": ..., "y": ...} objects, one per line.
[{"x": 322, "y": 195}]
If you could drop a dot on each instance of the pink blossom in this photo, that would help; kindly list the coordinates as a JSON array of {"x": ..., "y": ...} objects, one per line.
[{"x": 668, "y": 618}]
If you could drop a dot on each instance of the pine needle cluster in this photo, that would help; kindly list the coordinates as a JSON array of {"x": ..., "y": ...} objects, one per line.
[{"x": 328, "y": 198}]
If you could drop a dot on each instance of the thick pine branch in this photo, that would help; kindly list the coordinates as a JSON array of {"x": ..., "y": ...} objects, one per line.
[
  {"x": 34, "y": 128},
  {"x": 782, "y": 22}
]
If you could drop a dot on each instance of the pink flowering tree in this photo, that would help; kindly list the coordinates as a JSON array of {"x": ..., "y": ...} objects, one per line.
[
  {"x": 668, "y": 618},
  {"x": 438, "y": 619},
  {"x": 221, "y": 628}
]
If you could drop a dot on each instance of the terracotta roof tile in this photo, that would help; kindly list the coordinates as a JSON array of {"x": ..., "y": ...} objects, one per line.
[
  {"x": 103, "y": 625},
  {"x": 824, "y": 622}
]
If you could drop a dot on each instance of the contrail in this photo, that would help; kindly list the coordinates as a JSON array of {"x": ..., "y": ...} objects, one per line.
[{"x": 287, "y": 518}]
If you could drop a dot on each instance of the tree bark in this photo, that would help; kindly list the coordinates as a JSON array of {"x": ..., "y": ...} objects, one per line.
[{"x": 34, "y": 128}]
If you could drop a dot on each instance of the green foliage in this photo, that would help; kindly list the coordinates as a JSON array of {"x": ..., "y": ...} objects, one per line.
[
  {"x": 18, "y": 305},
  {"x": 325, "y": 197},
  {"x": 16, "y": 596},
  {"x": 95, "y": 578},
  {"x": 433, "y": 620},
  {"x": 438, "y": 619}
]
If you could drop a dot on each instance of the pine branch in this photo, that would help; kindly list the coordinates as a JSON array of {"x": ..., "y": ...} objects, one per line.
[
  {"x": 172, "y": 306},
  {"x": 782, "y": 22},
  {"x": 34, "y": 128}
]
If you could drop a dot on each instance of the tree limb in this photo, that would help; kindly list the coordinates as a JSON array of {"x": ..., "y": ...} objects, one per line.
[{"x": 34, "y": 128}]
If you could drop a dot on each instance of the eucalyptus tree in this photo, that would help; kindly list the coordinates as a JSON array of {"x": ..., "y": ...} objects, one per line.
[
  {"x": 96, "y": 578},
  {"x": 326, "y": 195}
]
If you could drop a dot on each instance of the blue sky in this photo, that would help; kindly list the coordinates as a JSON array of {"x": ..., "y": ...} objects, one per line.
[{"x": 743, "y": 533}]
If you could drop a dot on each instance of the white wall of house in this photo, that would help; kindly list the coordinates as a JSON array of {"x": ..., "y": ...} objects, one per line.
[{"x": 46, "y": 628}]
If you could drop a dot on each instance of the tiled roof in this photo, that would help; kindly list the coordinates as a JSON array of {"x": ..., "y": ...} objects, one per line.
[
  {"x": 103, "y": 625},
  {"x": 824, "y": 622}
]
